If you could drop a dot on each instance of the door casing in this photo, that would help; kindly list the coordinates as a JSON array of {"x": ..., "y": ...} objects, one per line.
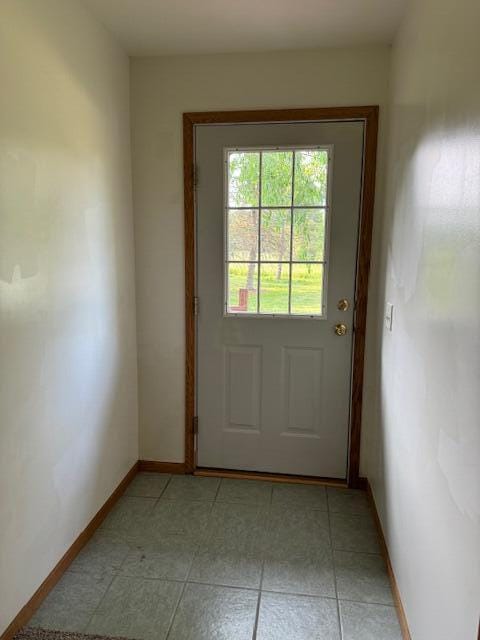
[{"x": 369, "y": 116}]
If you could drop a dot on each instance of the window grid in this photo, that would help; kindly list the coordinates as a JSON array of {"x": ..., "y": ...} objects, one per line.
[
  {"x": 259, "y": 230},
  {"x": 287, "y": 206},
  {"x": 291, "y": 208},
  {"x": 291, "y": 236},
  {"x": 276, "y": 261}
]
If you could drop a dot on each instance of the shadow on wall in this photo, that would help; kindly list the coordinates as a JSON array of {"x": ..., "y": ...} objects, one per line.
[
  {"x": 61, "y": 306},
  {"x": 429, "y": 245},
  {"x": 421, "y": 270},
  {"x": 424, "y": 446},
  {"x": 377, "y": 404},
  {"x": 67, "y": 310}
]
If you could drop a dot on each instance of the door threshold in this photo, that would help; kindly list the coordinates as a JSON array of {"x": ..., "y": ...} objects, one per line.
[{"x": 207, "y": 472}]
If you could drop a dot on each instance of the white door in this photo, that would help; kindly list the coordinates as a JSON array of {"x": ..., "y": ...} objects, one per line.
[{"x": 277, "y": 209}]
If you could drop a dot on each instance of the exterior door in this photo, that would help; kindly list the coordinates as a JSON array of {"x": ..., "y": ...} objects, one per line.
[{"x": 277, "y": 219}]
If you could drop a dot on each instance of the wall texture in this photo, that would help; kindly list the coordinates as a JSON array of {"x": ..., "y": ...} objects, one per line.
[
  {"x": 67, "y": 319},
  {"x": 422, "y": 445},
  {"x": 163, "y": 88}
]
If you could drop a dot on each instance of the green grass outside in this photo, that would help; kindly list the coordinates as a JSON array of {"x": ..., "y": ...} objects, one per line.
[{"x": 306, "y": 289}]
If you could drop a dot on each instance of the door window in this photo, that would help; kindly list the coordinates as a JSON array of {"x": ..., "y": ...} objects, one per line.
[{"x": 276, "y": 231}]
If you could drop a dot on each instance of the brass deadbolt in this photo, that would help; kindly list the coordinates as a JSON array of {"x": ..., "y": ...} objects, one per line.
[{"x": 340, "y": 329}]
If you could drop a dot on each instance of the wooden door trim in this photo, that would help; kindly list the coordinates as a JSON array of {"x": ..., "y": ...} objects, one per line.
[
  {"x": 205, "y": 472},
  {"x": 366, "y": 114}
]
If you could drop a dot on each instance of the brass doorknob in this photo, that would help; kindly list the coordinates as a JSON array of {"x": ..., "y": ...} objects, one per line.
[
  {"x": 340, "y": 329},
  {"x": 342, "y": 304}
]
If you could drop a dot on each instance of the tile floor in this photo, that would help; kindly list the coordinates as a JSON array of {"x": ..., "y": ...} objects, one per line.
[{"x": 189, "y": 558}]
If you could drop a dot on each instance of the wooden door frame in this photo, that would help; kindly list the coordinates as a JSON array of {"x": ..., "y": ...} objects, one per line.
[{"x": 369, "y": 116}]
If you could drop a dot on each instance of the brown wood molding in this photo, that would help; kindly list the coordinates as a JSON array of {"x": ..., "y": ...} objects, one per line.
[
  {"x": 269, "y": 477},
  {"x": 280, "y": 115},
  {"x": 54, "y": 576},
  {"x": 393, "y": 583},
  {"x": 362, "y": 484},
  {"x": 361, "y": 294},
  {"x": 161, "y": 467},
  {"x": 190, "y": 364},
  {"x": 367, "y": 114}
]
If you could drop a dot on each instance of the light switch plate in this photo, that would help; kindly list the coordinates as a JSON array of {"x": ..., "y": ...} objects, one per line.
[{"x": 389, "y": 316}]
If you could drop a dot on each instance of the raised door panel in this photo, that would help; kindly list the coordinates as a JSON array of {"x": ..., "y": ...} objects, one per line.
[
  {"x": 243, "y": 382},
  {"x": 302, "y": 388}
]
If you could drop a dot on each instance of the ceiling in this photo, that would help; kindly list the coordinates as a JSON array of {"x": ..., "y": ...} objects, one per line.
[{"x": 168, "y": 27}]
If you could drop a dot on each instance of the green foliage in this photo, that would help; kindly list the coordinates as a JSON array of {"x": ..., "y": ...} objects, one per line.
[
  {"x": 277, "y": 178},
  {"x": 310, "y": 187},
  {"x": 243, "y": 188},
  {"x": 306, "y": 289},
  {"x": 308, "y": 234},
  {"x": 310, "y": 178},
  {"x": 275, "y": 230},
  {"x": 242, "y": 234}
]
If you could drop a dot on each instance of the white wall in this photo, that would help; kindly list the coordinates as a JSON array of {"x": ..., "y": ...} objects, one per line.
[
  {"x": 163, "y": 88},
  {"x": 422, "y": 440},
  {"x": 67, "y": 326}
]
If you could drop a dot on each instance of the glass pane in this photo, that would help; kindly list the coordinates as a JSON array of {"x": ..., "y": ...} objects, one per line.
[
  {"x": 275, "y": 232},
  {"x": 242, "y": 234},
  {"x": 274, "y": 280},
  {"x": 307, "y": 285},
  {"x": 311, "y": 169},
  {"x": 243, "y": 178},
  {"x": 277, "y": 178},
  {"x": 308, "y": 234},
  {"x": 242, "y": 288}
]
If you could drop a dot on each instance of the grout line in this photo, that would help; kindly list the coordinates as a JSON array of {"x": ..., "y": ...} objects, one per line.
[
  {"x": 279, "y": 593},
  {"x": 377, "y": 604},
  {"x": 163, "y": 491},
  {"x": 300, "y": 595},
  {"x": 202, "y": 539},
  {"x": 99, "y": 603},
  {"x": 174, "y": 613},
  {"x": 265, "y": 533},
  {"x": 130, "y": 548},
  {"x": 334, "y": 574},
  {"x": 270, "y": 503},
  {"x": 188, "y": 500},
  {"x": 218, "y": 489},
  {"x": 257, "y": 615},
  {"x": 222, "y": 586},
  {"x": 327, "y": 499},
  {"x": 361, "y": 553},
  {"x": 239, "y": 588},
  {"x": 156, "y": 498}
]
